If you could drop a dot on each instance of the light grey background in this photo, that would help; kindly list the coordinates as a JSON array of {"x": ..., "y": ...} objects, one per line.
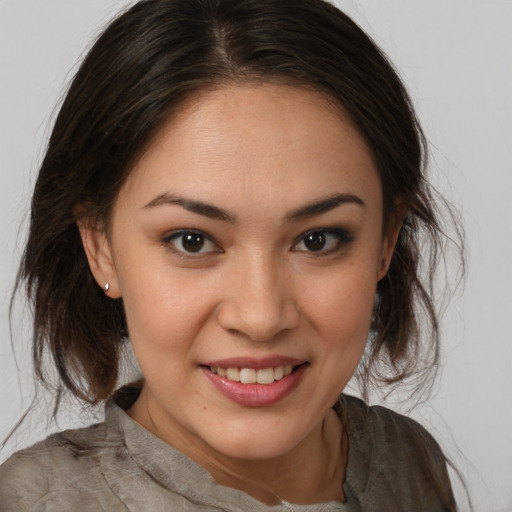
[{"x": 456, "y": 57}]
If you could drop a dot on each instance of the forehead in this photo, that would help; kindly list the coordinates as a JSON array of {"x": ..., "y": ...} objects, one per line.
[{"x": 256, "y": 144}]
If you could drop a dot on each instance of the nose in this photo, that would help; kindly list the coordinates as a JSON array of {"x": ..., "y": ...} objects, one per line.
[{"x": 258, "y": 302}]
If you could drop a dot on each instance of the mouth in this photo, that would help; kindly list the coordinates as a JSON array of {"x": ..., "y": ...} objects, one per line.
[
  {"x": 255, "y": 387},
  {"x": 264, "y": 376}
]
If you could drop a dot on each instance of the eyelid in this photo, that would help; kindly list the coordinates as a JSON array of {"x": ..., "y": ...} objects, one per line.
[
  {"x": 168, "y": 239},
  {"x": 343, "y": 235}
]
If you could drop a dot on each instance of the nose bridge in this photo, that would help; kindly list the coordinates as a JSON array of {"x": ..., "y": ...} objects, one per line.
[{"x": 259, "y": 299}]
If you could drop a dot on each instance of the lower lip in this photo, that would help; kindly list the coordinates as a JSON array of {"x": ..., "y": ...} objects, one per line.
[{"x": 256, "y": 395}]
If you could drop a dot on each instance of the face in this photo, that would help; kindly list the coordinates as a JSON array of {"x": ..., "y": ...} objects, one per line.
[{"x": 246, "y": 244}]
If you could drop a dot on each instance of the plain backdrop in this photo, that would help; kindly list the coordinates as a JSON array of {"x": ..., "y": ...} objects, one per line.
[{"x": 456, "y": 58}]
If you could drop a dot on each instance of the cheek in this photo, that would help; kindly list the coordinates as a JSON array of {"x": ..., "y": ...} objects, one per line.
[
  {"x": 339, "y": 311},
  {"x": 342, "y": 306},
  {"x": 343, "y": 318},
  {"x": 162, "y": 333},
  {"x": 165, "y": 309}
]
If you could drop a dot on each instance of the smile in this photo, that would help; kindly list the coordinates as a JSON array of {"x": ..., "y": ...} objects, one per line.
[
  {"x": 262, "y": 386},
  {"x": 265, "y": 376}
]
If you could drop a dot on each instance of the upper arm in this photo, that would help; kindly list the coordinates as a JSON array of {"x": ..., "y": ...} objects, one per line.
[
  {"x": 24, "y": 481},
  {"x": 421, "y": 466}
]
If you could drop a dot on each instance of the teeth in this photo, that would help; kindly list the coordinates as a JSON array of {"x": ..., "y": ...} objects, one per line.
[
  {"x": 233, "y": 374},
  {"x": 265, "y": 376},
  {"x": 252, "y": 376},
  {"x": 279, "y": 373},
  {"x": 247, "y": 376}
]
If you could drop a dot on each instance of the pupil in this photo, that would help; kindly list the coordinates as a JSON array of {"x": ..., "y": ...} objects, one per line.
[
  {"x": 193, "y": 242},
  {"x": 315, "y": 241}
]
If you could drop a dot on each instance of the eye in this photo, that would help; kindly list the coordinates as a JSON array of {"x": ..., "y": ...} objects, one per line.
[
  {"x": 323, "y": 240},
  {"x": 191, "y": 242}
]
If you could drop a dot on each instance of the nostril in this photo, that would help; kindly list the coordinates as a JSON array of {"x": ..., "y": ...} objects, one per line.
[{"x": 258, "y": 320}]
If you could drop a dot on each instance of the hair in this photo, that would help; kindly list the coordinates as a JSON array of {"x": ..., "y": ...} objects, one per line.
[{"x": 140, "y": 71}]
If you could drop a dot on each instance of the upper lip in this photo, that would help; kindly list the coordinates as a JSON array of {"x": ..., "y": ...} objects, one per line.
[{"x": 255, "y": 363}]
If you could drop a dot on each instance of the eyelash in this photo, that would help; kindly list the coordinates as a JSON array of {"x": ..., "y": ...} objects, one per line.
[
  {"x": 342, "y": 237},
  {"x": 176, "y": 235}
]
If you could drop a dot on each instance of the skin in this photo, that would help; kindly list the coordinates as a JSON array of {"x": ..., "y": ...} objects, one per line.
[{"x": 260, "y": 153}]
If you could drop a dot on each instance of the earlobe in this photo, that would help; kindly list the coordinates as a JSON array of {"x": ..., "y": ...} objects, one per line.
[
  {"x": 387, "y": 253},
  {"x": 390, "y": 239},
  {"x": 99, "y": 255}
]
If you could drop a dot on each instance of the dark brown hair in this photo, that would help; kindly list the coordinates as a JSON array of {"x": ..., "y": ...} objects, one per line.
[{"x": 139, "y": 72}]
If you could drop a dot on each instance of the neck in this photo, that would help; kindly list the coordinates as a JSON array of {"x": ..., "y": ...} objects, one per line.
[{"x": 312, "y": 472}]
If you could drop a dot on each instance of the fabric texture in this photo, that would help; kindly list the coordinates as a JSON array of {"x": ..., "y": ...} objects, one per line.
[{"x": 117, "y": 465}]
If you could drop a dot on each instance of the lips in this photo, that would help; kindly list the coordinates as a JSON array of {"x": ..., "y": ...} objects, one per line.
[
  {"x": 254, "y": 383},
  {"x": 265, "y": 376}
]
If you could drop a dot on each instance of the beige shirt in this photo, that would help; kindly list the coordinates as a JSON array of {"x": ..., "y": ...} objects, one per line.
[{"x": 117, "y": 465}]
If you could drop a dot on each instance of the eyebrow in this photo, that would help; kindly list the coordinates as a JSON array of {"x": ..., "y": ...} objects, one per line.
[
  {"x": 205, "y": 209},
  {"x": 213, "y": 212},
  {"x": 323, "y": 206}
]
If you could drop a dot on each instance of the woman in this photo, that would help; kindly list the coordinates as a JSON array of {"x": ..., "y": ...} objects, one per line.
[{"x": 237, "y": 189}]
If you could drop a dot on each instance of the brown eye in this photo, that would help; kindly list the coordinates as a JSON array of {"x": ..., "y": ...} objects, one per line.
[
  {"x": 190, "y": 242},
  {"x": 315, "y": 241},
  {"x": 323, "y": 240}
]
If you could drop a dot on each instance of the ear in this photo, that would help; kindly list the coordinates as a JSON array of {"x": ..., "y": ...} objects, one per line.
[
  {"x": 99, "y": 255},
  {"x": 390, "y": 237}
]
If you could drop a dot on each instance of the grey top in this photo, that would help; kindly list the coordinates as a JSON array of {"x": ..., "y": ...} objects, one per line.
[{"x": 117, "y": 465}]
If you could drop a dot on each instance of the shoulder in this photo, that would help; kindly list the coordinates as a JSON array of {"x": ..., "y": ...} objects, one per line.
[
  {"x": 394, "y": 456},
  {"x": 55, "y": 474},
  {"x": 380, "y": 424}
]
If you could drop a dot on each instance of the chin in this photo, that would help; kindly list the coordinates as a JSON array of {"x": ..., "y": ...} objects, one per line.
[
  {"x": 261, "y": 441},
  {"x": 254, "y": 449}
]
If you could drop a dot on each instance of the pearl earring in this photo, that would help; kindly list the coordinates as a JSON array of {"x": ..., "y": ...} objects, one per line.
[{"x": 106, "y": 288}]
